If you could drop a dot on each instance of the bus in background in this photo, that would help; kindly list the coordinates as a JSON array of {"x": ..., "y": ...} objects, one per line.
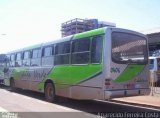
[
  {"x": 99, "y": 64},
  {"x": 154, "y": 66}
]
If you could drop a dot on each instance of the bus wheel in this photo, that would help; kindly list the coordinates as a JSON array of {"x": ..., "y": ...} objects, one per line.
[
  {"x": 12, "y": 85},
  {"x": 49, "y": 92}
]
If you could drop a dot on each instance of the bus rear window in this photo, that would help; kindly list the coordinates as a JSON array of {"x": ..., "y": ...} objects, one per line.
[{"x": 129, "y": 48}]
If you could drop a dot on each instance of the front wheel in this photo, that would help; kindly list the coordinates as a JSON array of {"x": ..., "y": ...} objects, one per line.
[{"x": 49, "y": 92}]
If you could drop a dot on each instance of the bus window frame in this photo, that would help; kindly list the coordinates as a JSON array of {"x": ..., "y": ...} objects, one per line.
[
  {"x": 43, "y": 51},
  {"x": 56, "y": 54},
  {"x": 38, "y": 57},
  {"x": 27, "y": 59},
  {"x": 88, "y": 51}
]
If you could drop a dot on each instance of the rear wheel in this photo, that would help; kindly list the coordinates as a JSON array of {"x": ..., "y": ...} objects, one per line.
[{"x": 49, "y": 92}]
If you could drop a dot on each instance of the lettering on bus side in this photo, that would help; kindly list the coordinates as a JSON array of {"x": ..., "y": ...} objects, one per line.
[
  {"x": 26, "y": 74},
  {"x": 39, "y": 75},
  {"x": 115, "y": 70},
  {"x": 35, "y": 74}
]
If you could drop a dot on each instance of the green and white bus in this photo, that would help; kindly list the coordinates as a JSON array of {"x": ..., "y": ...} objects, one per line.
[{"x": 99, "y": 64}]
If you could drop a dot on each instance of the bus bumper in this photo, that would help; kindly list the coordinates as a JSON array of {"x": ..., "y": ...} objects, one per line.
[{"x": 125, "y": 93}]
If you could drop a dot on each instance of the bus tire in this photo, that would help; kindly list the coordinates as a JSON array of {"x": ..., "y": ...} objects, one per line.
[
  {"x": 50, "y": 92},
  {"x": 12, "y": 85}
]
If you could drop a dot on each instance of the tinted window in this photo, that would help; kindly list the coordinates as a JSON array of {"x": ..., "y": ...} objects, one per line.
[
  {"x": 47, "y": 51},
  {"x": 18, "y": 56},
  {"x": 80, "y": 51},
  {"x": 62, "y": 53},
  {"x": 8, "y": 59},
  {"x": 12, "y": 57},
  {"x": 81, "y": 45},
  {"x": 26, "y": 55},
  {"x": 63, "y": 48},
  {"x": 129, "y": 48},
  {"x": 80, "y": 58},
  {"x": 96, "y": 51},
  {"x": 61, "y": 59},
  {"x": 36, "y": 53}
]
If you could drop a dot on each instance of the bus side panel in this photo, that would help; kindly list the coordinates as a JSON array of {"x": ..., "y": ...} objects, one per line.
[
  {"x": 29, "y": 77},
  {"x": 65, "y": 77},
  {"x": 88, "y": 89}
]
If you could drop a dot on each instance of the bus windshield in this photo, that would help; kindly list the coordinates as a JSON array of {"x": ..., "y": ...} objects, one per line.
[{"x": 129, "y": 48}]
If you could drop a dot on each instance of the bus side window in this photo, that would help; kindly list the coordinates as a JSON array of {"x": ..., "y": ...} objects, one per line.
[
  {"x": 96, "y": 49},
  {"x": 18, "y": 62},
  {"x": 8, "y": 60},
  {"x": 12, "y": 60},
  {"x": 47, "y": 55},
  {"x": 62, "y": 53},
  {"x": 80, "y": 51},
  {"x": 36, "y": 57},
  {"x": 47, "y": 51},
  {"x": 26, "y": 58}
]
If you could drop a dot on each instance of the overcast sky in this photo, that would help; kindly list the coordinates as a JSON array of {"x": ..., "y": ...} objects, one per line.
[{"x": 28, "y": 22}]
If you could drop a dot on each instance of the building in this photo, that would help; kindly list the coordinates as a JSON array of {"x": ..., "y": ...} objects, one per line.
[
  {"x": 153, "y": 40},
  {"x": 81, "y": 25}
]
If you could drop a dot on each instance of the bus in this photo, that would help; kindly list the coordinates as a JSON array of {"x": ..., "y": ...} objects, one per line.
[{"x": 99, "y": 64}]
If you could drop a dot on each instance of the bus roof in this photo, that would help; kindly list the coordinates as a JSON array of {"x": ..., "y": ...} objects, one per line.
[{"x": 94, "y": 32}]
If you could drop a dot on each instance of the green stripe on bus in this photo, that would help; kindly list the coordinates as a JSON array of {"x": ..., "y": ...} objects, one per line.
[
  {"x": 32, "y": 47},
  {"x": 89, "y": 33},
  {"x": 73, "y": 74},
  {"x": 129, "y": 73}
]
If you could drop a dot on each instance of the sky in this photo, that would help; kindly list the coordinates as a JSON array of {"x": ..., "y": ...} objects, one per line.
[{"x": 28, "y": 22}]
